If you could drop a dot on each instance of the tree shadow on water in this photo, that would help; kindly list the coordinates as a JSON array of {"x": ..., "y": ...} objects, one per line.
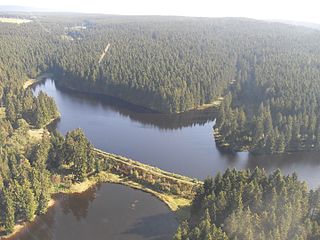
[{"x": 78, "y": 203}]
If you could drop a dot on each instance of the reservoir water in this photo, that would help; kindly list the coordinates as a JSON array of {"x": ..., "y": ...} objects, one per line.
[
  {"x": 181, "y": 143},
  {"x": 106, "y": 211}
]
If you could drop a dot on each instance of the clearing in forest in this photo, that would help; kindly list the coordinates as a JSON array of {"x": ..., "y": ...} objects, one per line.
[{"x": 14, "y": 20}]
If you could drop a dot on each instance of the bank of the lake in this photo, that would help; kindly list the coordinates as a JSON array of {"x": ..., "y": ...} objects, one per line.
[
  {"x": 104, "y": 211},
  {"x": 178, "y": 202},
  {"x": 224, "y": 145},
  {"x": 88, "y": 89},
  {"x": 182, "y": 143},
  {"x": 175, "y": 204},
  {"x": 174, "y": 190},
  {"x": 20, "y": 226},
  {"x": 32, "y": 81},
  {"x": 33, "y": 136}
]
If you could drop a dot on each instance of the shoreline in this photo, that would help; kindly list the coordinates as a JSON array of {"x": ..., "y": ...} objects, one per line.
[
  {"x": 37, "y": 133},
  {"x": 20, "y": 226},
  {"x": 176, "y": 203},
  {"x": 173, "y": 203},
  {"x": 32, "y": 81},
  {"x": 225, "y": 146},
  {"x": 179, "y": 206},
  {"x": 214, "y": 104}
]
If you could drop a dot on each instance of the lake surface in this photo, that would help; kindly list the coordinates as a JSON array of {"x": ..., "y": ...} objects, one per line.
[
  {"x": 107, "y": 211},
  {"x": 177, "y": 143}
]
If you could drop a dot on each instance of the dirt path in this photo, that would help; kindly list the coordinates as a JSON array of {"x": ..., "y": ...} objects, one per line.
[{"x": 104, "y": 53}]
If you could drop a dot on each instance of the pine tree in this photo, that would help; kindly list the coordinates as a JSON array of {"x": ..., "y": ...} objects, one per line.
[
  {"x": 178, "y": 234},
  {"x": 11, "y": 112},
  {"x": 78, "y": 151},
  {"x": 8, "y": 213},
  {"x": 30, "y": 205}
]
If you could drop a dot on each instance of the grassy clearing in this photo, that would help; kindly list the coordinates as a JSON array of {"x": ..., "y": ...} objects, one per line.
[
  {"x": 27, "y": 136},
  {"x": 216, "y": 103},
  {"x": 21, "y": 140},
  {"x": 148, "y": 168},
  {"x": 66, "y": 37},
  {"x": 81, "y": 187},
  {"x": 14, "y": 20},
  {"x": 2, "y": 112},
  {"x": 29, "y": 83},
  {"x": 32, "y": 81},
  {"x": 213, "y": 104},
  {"x": 36, "y": 134}
]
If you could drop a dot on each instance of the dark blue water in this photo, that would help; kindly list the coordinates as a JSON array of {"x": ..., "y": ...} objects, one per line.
[{"x": 178, "y": 143}]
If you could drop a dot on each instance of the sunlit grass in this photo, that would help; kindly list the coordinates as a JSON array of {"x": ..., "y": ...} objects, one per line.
[
  {"x": 2, "y": 112},
  {"x": 14, "y": 20}
]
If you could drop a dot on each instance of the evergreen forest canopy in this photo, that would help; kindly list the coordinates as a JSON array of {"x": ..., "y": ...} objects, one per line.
[
  {"x": 268, "y": 73},
  {"x": 251, "y": 205}
]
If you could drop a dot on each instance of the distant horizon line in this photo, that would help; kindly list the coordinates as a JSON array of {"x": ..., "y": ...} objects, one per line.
[{"x": 26, "y": 9}]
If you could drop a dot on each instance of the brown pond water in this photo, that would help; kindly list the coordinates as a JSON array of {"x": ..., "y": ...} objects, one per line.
[{"x": 107, "y": 211}]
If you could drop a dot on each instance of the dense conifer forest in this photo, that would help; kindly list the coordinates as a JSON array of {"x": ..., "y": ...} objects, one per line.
[
  {"x": 29, "y": 165},
  {"x": 251, "y": 205},
  {"x": 267, "y": 73}
]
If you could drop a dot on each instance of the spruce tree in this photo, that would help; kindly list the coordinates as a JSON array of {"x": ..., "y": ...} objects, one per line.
[{"x": 8, "y": 213}]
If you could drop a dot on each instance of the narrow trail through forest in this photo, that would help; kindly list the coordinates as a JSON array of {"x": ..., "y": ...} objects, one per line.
[{"x": 104, "y": 53}]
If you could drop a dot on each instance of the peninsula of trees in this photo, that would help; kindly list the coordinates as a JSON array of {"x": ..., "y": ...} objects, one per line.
[
  {"x": 268, "y": 73},
  {"x": 251, "y": 205}
]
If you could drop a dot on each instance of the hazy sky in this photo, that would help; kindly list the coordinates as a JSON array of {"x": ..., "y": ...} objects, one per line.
[{"x": 297, "y": 10}]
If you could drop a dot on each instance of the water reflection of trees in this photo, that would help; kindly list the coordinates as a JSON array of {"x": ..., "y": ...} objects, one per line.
[
  {"x": 41, "y": 228},
  {"x": 282, "y": 161},
  {"x": 78, "y": 203},
  {"x": 143, "y": 115}
]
